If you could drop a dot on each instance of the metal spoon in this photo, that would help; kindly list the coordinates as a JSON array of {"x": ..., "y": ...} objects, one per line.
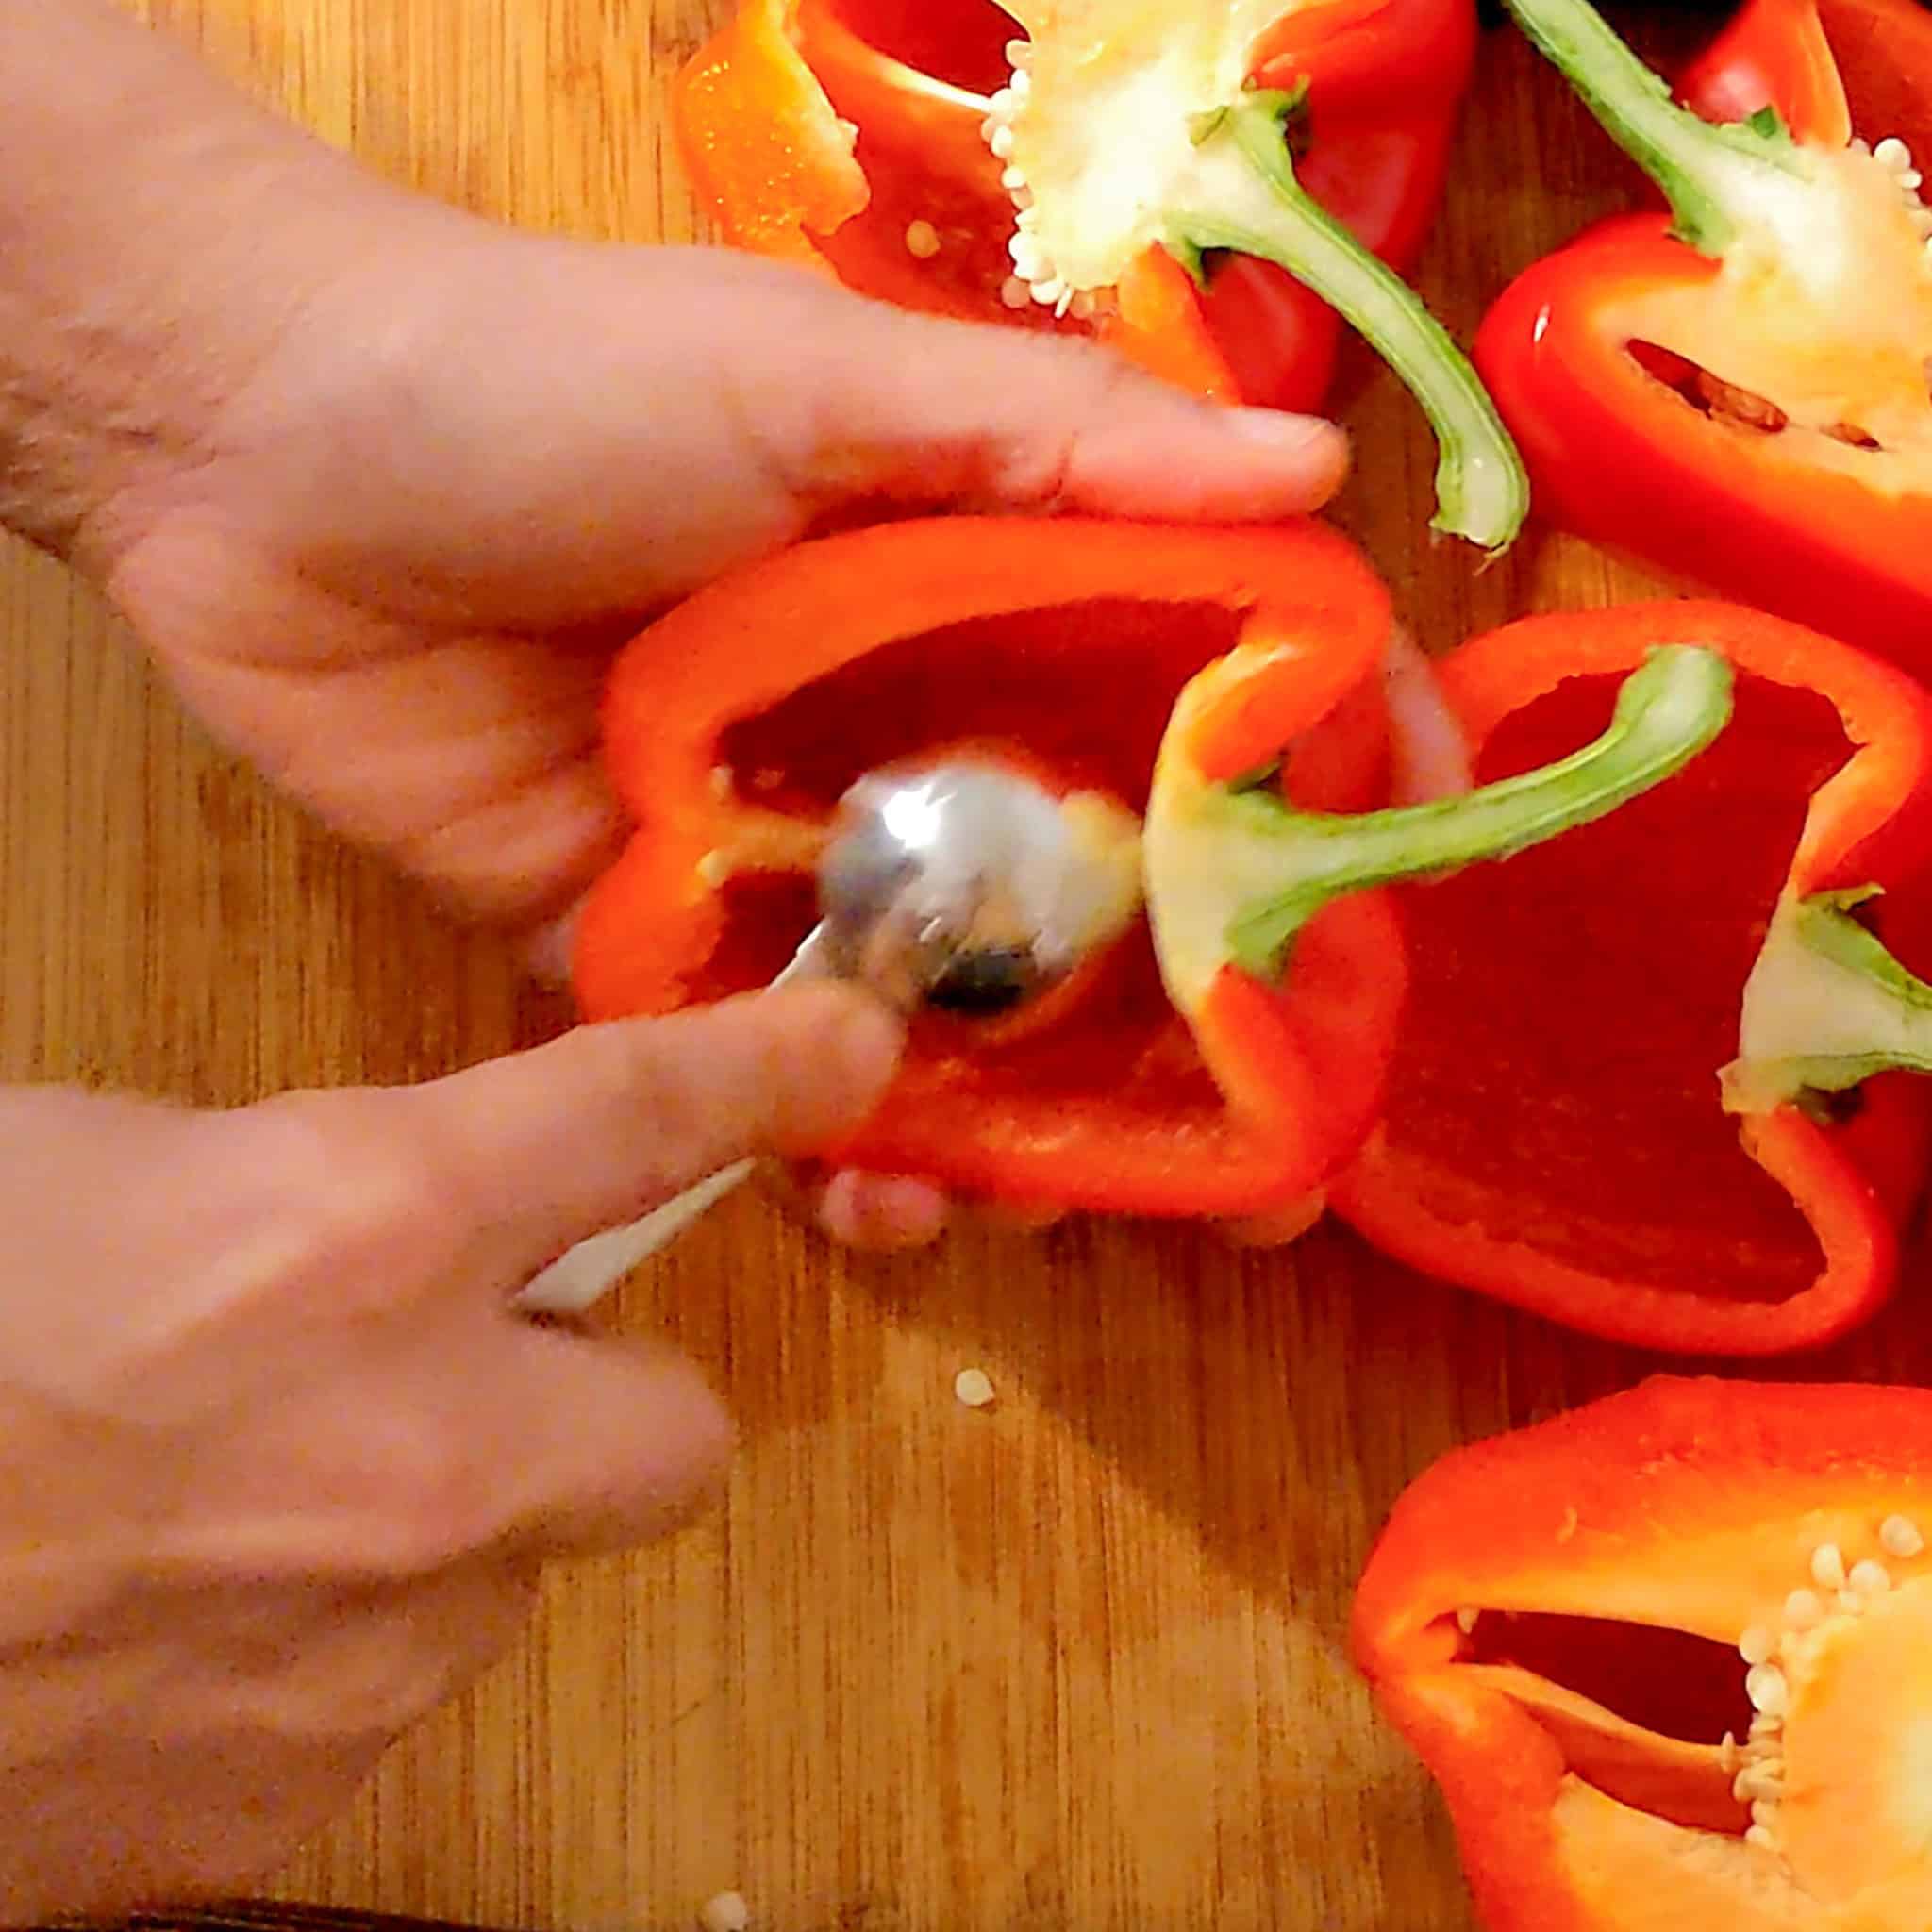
[{"x": 960, "y": 886}]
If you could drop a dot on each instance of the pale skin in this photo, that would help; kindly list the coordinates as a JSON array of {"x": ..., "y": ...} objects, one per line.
[{"x": 378, "y": 485}]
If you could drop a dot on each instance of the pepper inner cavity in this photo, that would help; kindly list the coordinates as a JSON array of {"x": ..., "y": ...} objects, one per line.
[{"x": 1642, "y": 1713}]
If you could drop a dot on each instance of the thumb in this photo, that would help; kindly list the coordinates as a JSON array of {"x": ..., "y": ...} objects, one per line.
[
  {"x": 544, "y": 1148},
  {"x": 874, "y": 401}
]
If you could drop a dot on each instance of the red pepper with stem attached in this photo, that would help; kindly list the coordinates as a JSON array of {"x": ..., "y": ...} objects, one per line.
[
  {"x": 1060, "y": 648},
  {"x": 1666, "y": 1657},
  {"x": 1556, "y": 1132},
  {"x": 848, "y": 133},
  {"x": 1738, "y": 391},
  {"x": 1190, "y": 188}
]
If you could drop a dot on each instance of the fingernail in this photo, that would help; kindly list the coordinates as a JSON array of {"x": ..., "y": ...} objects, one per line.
[{"x": 1276, "y": 429}]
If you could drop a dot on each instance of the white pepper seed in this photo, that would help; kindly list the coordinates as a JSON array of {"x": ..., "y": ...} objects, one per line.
[
  {"x": 1900, "y": 1535},
  {"x": 1756, "y": 1645},
  {"x": 922, "y": 240},
  {"x": 1760, "y": 1837},
  {"x": 973, "y": 1387},
  {"x": 1828, "y": 1567},
  {"x": 1870, "y": 1578},
  {"x": 727, "y": 1913},
  {"x": 1765, "y": 1686},
  {"x": 1802, "y": 1609}
]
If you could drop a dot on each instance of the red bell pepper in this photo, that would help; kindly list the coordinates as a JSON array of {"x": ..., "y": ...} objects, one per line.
[
  {"x": 925, "y": 155},
  {"x": 1738, "y": 391},
  {"x": 1556, "y": 1132},
  {"x": 1222, "y": 1055},
  {"x": 1666, "y": 1657},
  {"x": 735, "y": 724}
]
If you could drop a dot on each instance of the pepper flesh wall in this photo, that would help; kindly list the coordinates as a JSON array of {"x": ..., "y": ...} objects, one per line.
[{"x": 1666, "y": 1657}]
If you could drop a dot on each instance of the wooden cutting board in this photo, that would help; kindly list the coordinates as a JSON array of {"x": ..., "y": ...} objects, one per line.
[{"x": 1071, "y": 1663}]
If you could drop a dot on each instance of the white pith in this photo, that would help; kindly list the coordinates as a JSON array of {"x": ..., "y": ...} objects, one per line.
[
  {"x": 1821, "y": 304},
  {"x": 1802, "y": 1006},
  {"x": 1094, "y": 129}
]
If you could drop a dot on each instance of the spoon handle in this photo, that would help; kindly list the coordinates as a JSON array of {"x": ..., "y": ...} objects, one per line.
[{"x": 586, "y": 1273}]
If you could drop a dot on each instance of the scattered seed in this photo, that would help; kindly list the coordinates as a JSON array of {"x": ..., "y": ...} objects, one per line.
[
  {"x": 1900, "y": 1536},
  {"x": 727, "y": 1913},
  {"x": 973, "y": 1387},
  {"x": 1465, "y": 1618},
  {"x": 722, "y": 781},
  {"x": 1802, "y": 1609},
  {"x": 1870, "y": 1578},
  {"x": 1014, "y": 292},
  {"x": 1756, "y": 1644},
  {"x": 922, "y": 240},
  {"x": 1727, "y": 1753},
  {"x": 1828, "y": 1567},
  {"x": 1765, "y": 1686}
]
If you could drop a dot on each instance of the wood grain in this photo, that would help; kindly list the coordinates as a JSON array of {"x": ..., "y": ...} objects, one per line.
[{"x": 1072, "y": 1662}]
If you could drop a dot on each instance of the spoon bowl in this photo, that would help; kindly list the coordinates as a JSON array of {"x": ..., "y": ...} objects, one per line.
[{"x": 960, "y": 885}]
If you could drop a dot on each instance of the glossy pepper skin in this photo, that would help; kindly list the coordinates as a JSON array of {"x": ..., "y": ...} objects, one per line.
[
  {"x": 734, "y": 724},
  {"x": 759, "y": 111},
  {"x": 1554, "y": 1133},
  {"x": 1818, "y": 530},
  {"x": 1554, "y": 1621}
]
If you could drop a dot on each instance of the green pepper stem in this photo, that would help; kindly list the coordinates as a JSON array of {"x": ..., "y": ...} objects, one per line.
[
  {"x": 1826, "y": 1006},
  {"x": 1700, "y": 165},
  {"x": 1666, "y": 712},
  {"x": 1260, "y": 208}
]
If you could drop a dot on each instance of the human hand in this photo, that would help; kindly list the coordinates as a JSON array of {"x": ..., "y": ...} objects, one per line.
[
  {"x": 380, "y": 484},
  {"x": 392, "y": 572},
  {"x": 277, "y": 1460}
]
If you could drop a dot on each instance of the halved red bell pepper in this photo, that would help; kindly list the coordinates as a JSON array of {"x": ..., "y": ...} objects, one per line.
[
  {"x": 1556, "y": 1132},
  {"x": 891, "y": 143},
  {"x": 1739, "y": 392},
  {"x": 1667, "y": 1659},
  {"x": 735, "y": 722}
]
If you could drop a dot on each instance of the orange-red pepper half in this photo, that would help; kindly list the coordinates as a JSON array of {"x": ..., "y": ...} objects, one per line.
[
  {"x": 737, "y": 721},
  {"x": 847, "y": 134},
  {"x": 1756, "y": 415},
  {"x": 1554, "y": 1132},
  {"x": 1667, "y": 1657}
]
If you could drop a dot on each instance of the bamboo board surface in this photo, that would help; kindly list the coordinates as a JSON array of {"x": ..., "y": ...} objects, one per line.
[{"x": 1072, "y": 1663}]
